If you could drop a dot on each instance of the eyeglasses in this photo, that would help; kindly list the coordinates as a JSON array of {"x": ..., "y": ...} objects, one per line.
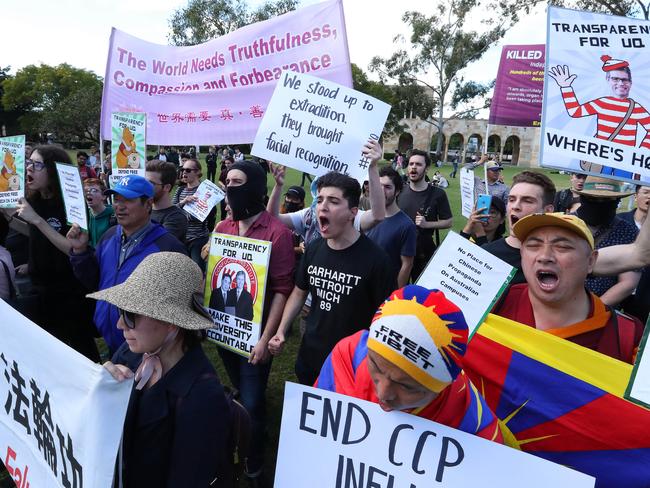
[
  {"x": 93, "y": 190},
  {"x": 188, "y": 170},
  {"x": 38, "y": 165},
  {"x": 625, "y": 81},
  {"x": 128, "y": 318}
]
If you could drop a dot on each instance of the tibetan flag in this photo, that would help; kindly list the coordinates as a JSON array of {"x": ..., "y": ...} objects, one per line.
[{"x": 562, "y": 402}]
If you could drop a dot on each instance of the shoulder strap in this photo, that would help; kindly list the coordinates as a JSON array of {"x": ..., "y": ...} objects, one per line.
[
  {"x": 12, "y": 289},
  {"x": 623, "y": 121}
]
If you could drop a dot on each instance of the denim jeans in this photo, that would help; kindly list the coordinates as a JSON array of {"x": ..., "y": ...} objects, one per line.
[
  {"x": 251, "y": 382},
  {"x": 194, "y": 250}
]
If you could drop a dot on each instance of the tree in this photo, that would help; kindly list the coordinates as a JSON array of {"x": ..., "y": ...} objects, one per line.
[
  {"x": 442, "y": 46},
  {"x": 202, "y": 20},
  {"x": 59, "y": 99},
  {"x": 8, "y": 118},
  {"x": 626, "y": 8}
]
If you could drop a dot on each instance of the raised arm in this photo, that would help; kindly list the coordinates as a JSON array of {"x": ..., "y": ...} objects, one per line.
[
  {"x": 273, "y": 206},
  {"x": 614, "y": 260},
  {"x": 373, "y": 151}
]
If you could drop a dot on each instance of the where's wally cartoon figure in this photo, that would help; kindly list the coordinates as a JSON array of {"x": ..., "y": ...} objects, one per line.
[{"x": 617, "y": 115}]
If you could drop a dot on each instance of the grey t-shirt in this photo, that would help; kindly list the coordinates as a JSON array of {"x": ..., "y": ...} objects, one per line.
[{"x": 173, "y": 219}]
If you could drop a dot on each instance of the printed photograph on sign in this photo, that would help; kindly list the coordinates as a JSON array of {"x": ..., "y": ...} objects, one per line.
[
  {"x": 317, "y": 126},
  {"x": 234, "y": 290},
  {"x": 128, "y": 148},
  {"x": 12, "y": 170},
  {"x": 595, "y": 117}
]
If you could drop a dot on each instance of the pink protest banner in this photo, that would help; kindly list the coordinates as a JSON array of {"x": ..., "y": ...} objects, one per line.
[
  {"x": 519, "y": 87},
  {"x": 217, "y": 92}
]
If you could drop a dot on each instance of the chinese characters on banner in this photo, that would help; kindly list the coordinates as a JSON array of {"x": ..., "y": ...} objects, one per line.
[
  {"x": 12, "y": 170},
  {"x": 217, "y": 92},
  {"x": 317, "y": 126},
  {"x": 60, "y": 414},
  {"x": 128, "y": 143},
  {"x": 595, "y": 118},
  {"x": 517, "y": 98},
  {"x": 235, "y": 286},
  {"x": 343, "y": 440}
]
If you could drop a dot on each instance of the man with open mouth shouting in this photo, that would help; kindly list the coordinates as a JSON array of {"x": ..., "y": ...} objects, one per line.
[{"x": 557, "y": 254}]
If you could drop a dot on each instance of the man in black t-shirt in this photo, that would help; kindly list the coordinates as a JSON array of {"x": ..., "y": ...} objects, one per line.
[
  {"x": 211, "y": 164},
  {"x": 346, "y": 274},
  {"x": 426, "y": 205},
  {"x": 531, "y": 192},
  {"x": 162, "y": 176}
]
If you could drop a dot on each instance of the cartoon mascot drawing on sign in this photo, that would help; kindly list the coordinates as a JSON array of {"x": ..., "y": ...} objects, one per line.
[
  {"x": 9, "y": 180},
  {"x": 617, "y": 116},
  {"x": 124, "y": 157}
]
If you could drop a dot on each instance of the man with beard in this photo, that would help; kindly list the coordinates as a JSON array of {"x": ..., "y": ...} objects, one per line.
[
  {"x": 120, "y": 249},
  {"x": 557, "y": 254},
  {"x": 345, "y": 272},
  {"x": 531, "y": 192},
  {"x": 599, "y": 199},
  {"x": 427, "y": 206},
  {"x": 162, "y": 175},
  {"x": 396, "y": 234},
  {"x": 245, "y": 189},
  {"x": 568, "y": 200}
]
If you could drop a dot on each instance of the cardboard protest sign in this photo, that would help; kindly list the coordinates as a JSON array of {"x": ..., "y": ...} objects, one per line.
[
  {"x": 345, "y": 443},
  {"x": 72, "y": 190},
  {"x": 517, "y": 98},
  {"x": 466, "y": 191},
  {"x": 472, "y": 278},
  {"x": 62, "y": 416},
  {"x": 128, "y": 146},
  {"x": 217, "y": 92},
  {"x": 208, "y": 195},
  {"x": 317, "y": 126},
  {"x": 638, "y": 389},
  {"x": 12, "y": 170},
  {"x": 595, "y": 119},
  {"x": 234, "y": 290}
]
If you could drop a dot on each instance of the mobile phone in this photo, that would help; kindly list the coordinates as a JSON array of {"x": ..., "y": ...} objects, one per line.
[{"x": 484, "y": 202}]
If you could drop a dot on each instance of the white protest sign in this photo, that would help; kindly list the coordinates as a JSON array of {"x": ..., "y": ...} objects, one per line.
[
  {"x": 638, "y": 389},
  {"x": 208, "y": 195},
  {"x": 62, "y": 418},
  {"x": 595, "y": 115},
  {"x": 466, "y": 191},
  {"x": 12, "y": 170},
  {"x": 73, "y": 195},
  {"x": 472, "y": 278},
  {"x": 345, "y": 442},
  {"x": 316, "y": 126},
  {"x": 235, "y": 288}
]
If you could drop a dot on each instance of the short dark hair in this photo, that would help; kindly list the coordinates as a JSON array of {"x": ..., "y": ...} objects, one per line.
[
  {"x": 539, "y": 179},
  {"x": 167, "y": 171},
  {"x": 398, "y": 183},
  {"x": 348, "y": 185},
  {"x": 625, "y": 69},
  {"x": 418, "y": 152},
  {"x": 82, "y": 153}
]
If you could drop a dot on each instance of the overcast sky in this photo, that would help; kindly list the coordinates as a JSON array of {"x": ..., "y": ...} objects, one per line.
[{"x": 77, "y": 31}]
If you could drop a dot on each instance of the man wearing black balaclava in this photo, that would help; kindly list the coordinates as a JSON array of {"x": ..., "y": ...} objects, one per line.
[
  {"x": 245, "y": 191},
  {"x": 599, "y": 199}
]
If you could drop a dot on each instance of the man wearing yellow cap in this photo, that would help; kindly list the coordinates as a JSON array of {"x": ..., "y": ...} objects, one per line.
[
  {"x": 410, "y": 360},
  {"x": 557, "y": 254}
]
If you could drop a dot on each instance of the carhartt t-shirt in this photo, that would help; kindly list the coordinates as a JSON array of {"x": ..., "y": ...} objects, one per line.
[{"x": 347, "y": 286}]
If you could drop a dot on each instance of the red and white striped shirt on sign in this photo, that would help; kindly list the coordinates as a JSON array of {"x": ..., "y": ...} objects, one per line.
[{"x": 610, "y": 111}]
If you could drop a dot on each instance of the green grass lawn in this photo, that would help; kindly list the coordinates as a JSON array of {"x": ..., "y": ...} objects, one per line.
[{"x": 282, "y": 369}]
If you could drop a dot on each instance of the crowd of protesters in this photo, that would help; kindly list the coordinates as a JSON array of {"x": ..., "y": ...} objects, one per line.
[{"x": 346, "y": 264}]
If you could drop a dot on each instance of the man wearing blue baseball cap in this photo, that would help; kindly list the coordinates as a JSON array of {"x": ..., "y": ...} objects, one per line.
[{"x": 120, "y": 249}]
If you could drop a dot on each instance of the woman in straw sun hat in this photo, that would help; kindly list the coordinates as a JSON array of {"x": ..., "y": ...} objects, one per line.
[{"x": 177, "y": 422}]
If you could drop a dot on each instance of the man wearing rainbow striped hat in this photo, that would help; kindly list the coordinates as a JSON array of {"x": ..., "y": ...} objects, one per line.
[{"x": 411, "y": 360}]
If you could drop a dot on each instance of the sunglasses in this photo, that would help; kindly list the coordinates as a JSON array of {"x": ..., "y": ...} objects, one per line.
[
  {"x": 38, "y": 165},
  {"x": 128, "y": 318},
  {"x": 188, "y": 170}
]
